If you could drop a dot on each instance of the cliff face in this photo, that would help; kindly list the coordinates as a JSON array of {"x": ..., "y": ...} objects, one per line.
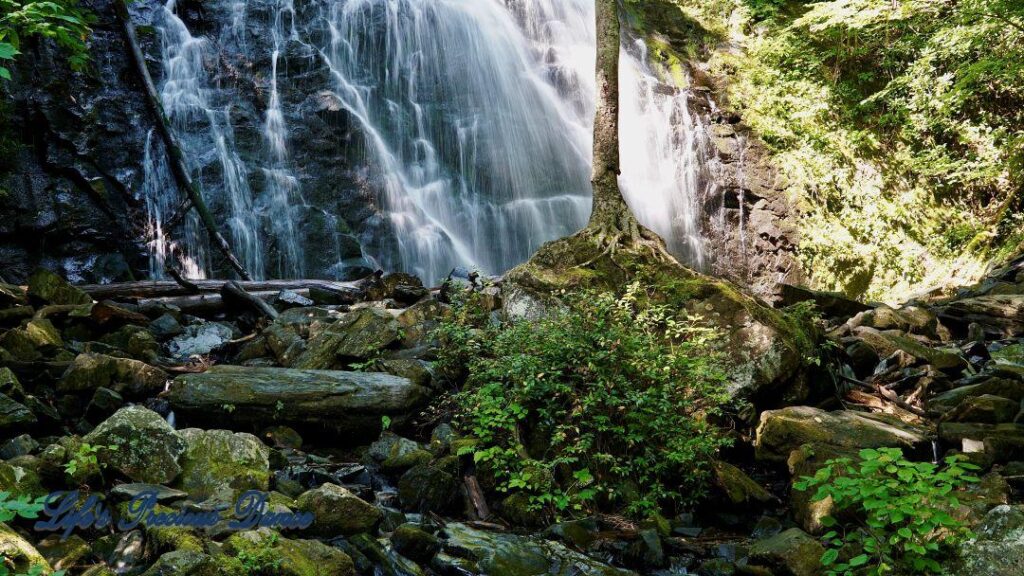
[
  {"x": 71, "y": 166},
  {"x": 73, "y": 178}
]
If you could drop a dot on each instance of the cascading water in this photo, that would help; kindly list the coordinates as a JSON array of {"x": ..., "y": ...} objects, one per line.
[{"x": 465, "y": 128}]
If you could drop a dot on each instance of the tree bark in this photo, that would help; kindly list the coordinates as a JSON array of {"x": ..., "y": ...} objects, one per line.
[
  {"x": 177, "y": 162},
  {"x": 609, "y": 207}
]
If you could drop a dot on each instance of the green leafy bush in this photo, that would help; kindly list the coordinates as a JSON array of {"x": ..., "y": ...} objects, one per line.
[
  {"x": 602, "y": 404},
  {"x": 893, "y": 516},
  {"x": 62, "y": 21}
]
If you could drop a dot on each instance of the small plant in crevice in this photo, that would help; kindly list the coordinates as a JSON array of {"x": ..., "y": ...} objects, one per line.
[
  {"x": 891, "y": 515},
  {"x": 21, "y": 507},
  {"x": 601, "y": 405},
  {"x": 85, "y": 457}
]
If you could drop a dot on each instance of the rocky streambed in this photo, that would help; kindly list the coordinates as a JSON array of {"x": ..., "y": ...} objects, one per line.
[{"x": 222, "y": 436}]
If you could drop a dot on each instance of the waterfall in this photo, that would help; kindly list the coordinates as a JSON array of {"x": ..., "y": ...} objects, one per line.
[{"x": 460, "y": 134}]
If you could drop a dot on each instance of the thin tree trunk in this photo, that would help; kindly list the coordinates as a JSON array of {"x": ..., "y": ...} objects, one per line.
[
  {"x": 609, "y": 207},
  {"x": 177, "y": 162}
]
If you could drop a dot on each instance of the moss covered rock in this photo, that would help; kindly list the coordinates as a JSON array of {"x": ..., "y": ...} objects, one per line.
[
  {"x": 265, "y": 551},
  {"x": 188, "y": 562},
  {"x": 789, "y": 553},
  {"x": 427, "y": 487},
  {"x": 45, "y": 287},
  {"x": 123, "y": 375},
  {"x": 782, "y": 431},
  {"x": 767, "y": 347},
  {"x": 214, "y": 458},
  {"x": 415, "y": 543},
  {"x": 356, "y": 335},
  {"x": 147, "y": 448},
  {"x": 14, "y": 416},
  {"x": 337, "y": 511}
]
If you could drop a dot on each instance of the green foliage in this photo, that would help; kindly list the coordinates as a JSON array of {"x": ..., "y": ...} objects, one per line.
[
  {"x": 261, "y": 561},
  {"x": 892, "y": 515},
  {"x": 62, "y": 21},
  {"x": 85, "y": 458},
  {"x": 602, "y": 404},
  {"x": 21, "y": 507},
  {"x": 899, "y": 125}
]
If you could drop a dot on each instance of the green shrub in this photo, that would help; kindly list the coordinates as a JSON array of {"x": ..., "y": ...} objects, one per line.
[
  {"x": 602, "y": 404},
  {"x": 893, "y": 515}
]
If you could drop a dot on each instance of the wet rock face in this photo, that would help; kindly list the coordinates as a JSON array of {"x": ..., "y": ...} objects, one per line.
[
  {"x": 70, "y": 174},
  {"x": 749, "y": 221}
]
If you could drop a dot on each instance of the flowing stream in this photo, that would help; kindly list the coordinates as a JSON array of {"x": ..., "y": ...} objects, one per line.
[{"x": 465, "y": 138}]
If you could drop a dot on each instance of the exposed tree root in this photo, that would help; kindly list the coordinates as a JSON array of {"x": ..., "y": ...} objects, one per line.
[{"x": 624, "y": 233}]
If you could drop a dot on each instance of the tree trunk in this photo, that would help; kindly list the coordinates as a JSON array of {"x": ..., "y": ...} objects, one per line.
[
  {"x": 177, "y": 162},
  {"x": 609, "y": 207}
]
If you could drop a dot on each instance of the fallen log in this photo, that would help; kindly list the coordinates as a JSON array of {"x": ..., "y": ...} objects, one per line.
[
  {"x": 162, "y": 288},
  {"x": 174, "y": 155},
  {"x": 236, "y": 296}
]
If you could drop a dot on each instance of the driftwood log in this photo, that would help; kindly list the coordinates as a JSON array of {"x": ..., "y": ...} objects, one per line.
[{"x": 166, "y": 288}]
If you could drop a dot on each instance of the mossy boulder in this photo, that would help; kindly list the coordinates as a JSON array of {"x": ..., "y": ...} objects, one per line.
[
  {"x": 357, "y": 335},
  {"x": 415, "y": 543},
  {"x": 19, "y": 553},
  {"x": 21, "y": 476},
  {"x": 998, "y": 546},
  {"x": 396, "y": 454},
  {"x": 214, "y": 458},
  {"x": 45, "y": 287},
  {"x": 147, "y": 448},
  {"x": 767, "y": 347},
  {"x": 14, "y": 416},
  {"x": 790, "y": 553},
  {"x": 125, "y": 376},
  {"x": 782, "y": 431},
  {"x": 291, "y": 557},
  {"x": 19, "y": 345},
  {"x": 182, "y": 562},
  {"x": 739, "y": 488},
  {"x": 337, "y": 511},
  {"x": 43, "y": 334},
  {"x": 427, "y": 487}
]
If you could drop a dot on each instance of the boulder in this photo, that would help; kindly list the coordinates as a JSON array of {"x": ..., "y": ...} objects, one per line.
[
  {"x": 503, "y": 554},
  {"x": 886, "y": 344},
  {"x": 123, "y": 375},
  {"x": 215, "y": 458},
  {"x": 415, "y": 543},
  {"x": 357, "y": 335},
  {"x": 998, "y": 546},
  {"x": 987, "y": 409},
  {"x": 782, "y": 431},
  {"x": 199, "y": 339},
  {"x": 64, "y": 553},
  {"x": 181, "y": 562},
  {"x": 427, "y": 487},
  {"x": 292, "y": 557},
  {"x": 43, "y": 334},
  {"x": 1000, "y": 316},
  {"x": 789, "y": 553},
  {"x": 14, "y": 416},
  {"x": 333, "y": 400},
  {"x": 987, "y": 384},
  {"x": 832, "y": 304},
  {"x": 147, "y": 448},
  {"x": 337, "y": 511},
  {"x": 45, "y": 287},
  {"x": 9, "y": 383},
  {"x": 19, "y": 345},
  {"x": 739, "y": 488}
]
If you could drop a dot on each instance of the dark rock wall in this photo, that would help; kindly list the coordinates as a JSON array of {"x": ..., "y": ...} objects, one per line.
[{"x": 70, "y": 164}]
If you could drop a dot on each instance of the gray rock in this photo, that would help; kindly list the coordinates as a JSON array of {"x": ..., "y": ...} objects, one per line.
[
  {"x": 335, "y": 400},
  {"x": 45, "y": 287},
  {"x": 166, "y": 326},
  {"x": 132, "y": 490},
  {"x": 199, "y": 339},
  {"x": 18, "y": 446},
  {"x": 14, "y": 415},
  {"x": 147, "y": 448},
  {"x": 337, "y": 511},
  {"x": 792, "y": 552},
  {"x": 782, "y": 431},
  {"x": 215, "y": 458},
  {"x": 123, "y": 375},
  {"x": 998, "y": 548},
  {"x": 357, "y": 335}
]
